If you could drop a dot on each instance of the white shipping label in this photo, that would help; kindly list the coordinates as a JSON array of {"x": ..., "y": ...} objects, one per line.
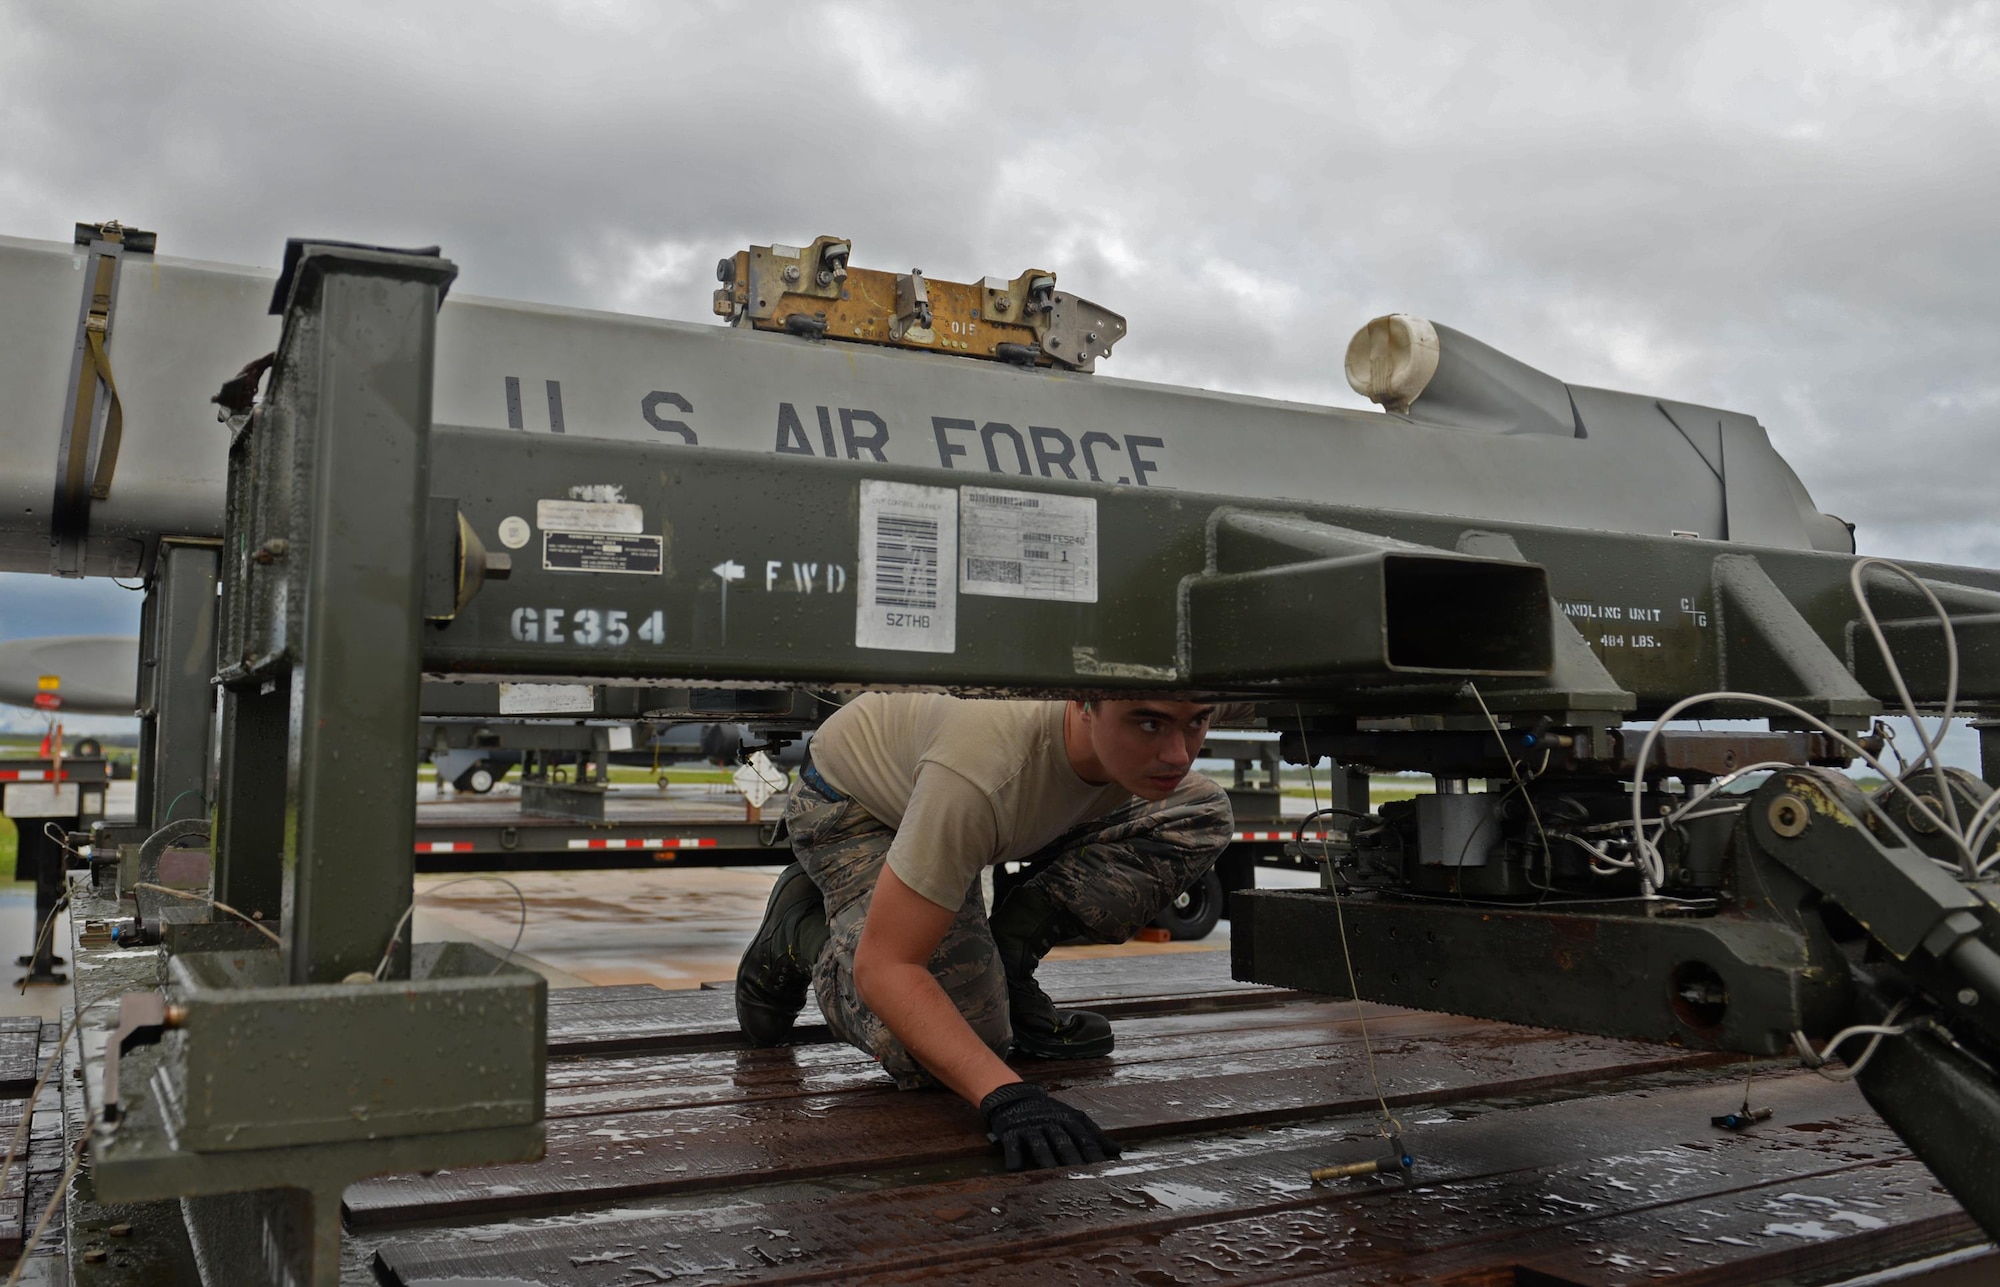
[
  {"x": 1025, "y": 545},
  {"x": 588, "y": 516},
  {"x": 43, "y": 799},
  {"x": 547, "y": 699},
  {"x": 908, "y": 551}
]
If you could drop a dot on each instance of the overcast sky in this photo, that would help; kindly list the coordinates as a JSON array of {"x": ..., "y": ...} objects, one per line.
[{"x": 1786, "y": 209}]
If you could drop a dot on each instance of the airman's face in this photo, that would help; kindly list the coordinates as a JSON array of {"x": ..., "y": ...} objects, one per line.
[{"x": 1147, "y": 747}]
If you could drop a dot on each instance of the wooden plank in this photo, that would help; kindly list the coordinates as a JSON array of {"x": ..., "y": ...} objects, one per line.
[
  {"x": 14, "y": 1193},
  {"x": 599, "y": 1158},
  {"x": 47, "y": 1151},
  {"x": 20, "y": 1039},
  {"x": 602, "y": 1021},
  {"x": 1609, "y": 1189},
  {"x": 622, "y": 1085}
]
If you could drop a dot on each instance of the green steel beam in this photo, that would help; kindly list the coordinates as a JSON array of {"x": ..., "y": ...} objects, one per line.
[{"x": 685, "y": 577}]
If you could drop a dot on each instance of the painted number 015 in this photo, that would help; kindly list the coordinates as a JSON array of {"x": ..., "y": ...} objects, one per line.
[{"x": 586, "y": 626}]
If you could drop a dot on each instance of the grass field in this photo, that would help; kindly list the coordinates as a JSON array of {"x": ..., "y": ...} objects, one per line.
[{"x": 9, "y": 842}]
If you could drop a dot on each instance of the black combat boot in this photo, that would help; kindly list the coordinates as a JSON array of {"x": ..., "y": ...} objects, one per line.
[
  {"x": 776, "y": 970},
  {"x": 1025, "y": 926}
]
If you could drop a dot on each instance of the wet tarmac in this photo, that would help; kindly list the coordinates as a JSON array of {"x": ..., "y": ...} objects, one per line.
[{"x": 676, "y": 928}]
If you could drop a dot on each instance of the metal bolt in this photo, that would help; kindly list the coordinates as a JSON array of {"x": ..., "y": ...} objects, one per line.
[
  {"x": 1967, "y": 996},
  {"x": 96, "y": 1256},
  {"x": 1091, "y": 336},
  {"x": 272, "y": 550},
  {"x": 791, "y": 272},
  {"x": 1002, "y": 303},
  {"x": 1789, "y": 816}
]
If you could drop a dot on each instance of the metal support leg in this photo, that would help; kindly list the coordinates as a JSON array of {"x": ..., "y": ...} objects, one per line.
[
  {"x": 294, "y": 1072},
  {"x": 364, "y": 417},
  {"x": 38, "y": 853},
  {"x": 250, "y": 803},
  {"x": 176, "y": 694}
]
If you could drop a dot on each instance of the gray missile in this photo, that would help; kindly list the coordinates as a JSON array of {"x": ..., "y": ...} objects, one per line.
[{"x": 71, "y": 674}]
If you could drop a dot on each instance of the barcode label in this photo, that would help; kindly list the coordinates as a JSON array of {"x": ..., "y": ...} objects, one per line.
[
  {"x": 908, "y": 556},
  {"x": 906, "y": 562},
  {"x": 1021, "y": 545}
]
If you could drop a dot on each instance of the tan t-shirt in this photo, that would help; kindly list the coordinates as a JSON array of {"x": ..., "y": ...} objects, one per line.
[{"x": 966, "y": 784}]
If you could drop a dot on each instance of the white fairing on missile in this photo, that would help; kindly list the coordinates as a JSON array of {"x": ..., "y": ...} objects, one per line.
[
  {"x": 89, "y": 674},
  {"x": 1610, "y": 462}
]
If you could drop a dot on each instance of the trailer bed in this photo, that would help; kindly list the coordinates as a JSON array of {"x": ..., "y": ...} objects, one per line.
[{"x": 676, "y": 1155}]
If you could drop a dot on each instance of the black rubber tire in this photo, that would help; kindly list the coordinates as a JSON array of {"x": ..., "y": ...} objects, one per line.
[
  {"x": 1193, "y": 915},
  {"x": 87, "y": 748},
  {"x": 470, "y": 780}
]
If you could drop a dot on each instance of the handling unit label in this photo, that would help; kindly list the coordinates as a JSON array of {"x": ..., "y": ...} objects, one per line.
[
  {"x": 600, "y": 552},
  {"x": 1021, "y": 545},
  {"x": 908, "y": 551}
]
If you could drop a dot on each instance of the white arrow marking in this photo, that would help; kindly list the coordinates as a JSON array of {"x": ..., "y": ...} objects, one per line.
[{"x": 729, "y": 570}]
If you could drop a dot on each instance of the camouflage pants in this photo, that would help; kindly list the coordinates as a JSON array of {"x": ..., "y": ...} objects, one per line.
[{"x": 1114, "y": 874}]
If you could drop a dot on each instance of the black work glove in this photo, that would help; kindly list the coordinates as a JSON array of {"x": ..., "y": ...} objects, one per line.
[{"x": 1033, "y": 1130}]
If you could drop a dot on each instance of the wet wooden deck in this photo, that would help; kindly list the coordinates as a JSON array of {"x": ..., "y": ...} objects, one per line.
[{"x": 678, "y": 1156}]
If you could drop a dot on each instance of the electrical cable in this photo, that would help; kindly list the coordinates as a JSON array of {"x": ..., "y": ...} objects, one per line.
[
  {"x": 1652, "y": 735},
  {"x": 396, "y": 935},
  {"x": 1888, "y": 735},
  {"x": 1710, "y": 789},
  {"x": 1969, "y": 865},
  {"x": 1390, "y": 1126},
  {"x": 1816, "y": 1060},
  {"x": 1519, "y": 783},
  {"x": 1930, "y": 744},
  {"x": 1326, "y": 854},
  {"x": 42, "y": 938},
  {"x": 175, "y": 803},
  {"x": 1980, "y": 827},
  {"x": 217, "y": 904}
]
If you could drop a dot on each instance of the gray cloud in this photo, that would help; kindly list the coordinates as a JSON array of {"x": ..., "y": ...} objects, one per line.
[{"x": 1782, "y": 208}]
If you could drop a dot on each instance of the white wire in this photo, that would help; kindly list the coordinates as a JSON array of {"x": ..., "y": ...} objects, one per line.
[
  {"x": 1652, "y": 734},
  {"x": 1980, "y": 828},
  {"x": 1816, "y": 1060},
  {"x": 1598, "y": 855},
  {"x": 396, "y": 935},
  {"x": 1713, "y": 788},
  {"x": 1930, "y": 744},
  {"x": 1389, "y": 1121},
  {"x": 1970, "y": 865}
]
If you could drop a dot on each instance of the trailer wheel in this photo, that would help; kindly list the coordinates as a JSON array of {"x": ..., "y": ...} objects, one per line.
[
  {"x": 478, "y": 779},
  {"x": 1194, "y": 914},
  {"x": 87, "y": 748}
]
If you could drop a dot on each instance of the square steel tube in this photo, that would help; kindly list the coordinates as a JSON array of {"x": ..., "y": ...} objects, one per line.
[{"x": 1377, "y": 613}]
